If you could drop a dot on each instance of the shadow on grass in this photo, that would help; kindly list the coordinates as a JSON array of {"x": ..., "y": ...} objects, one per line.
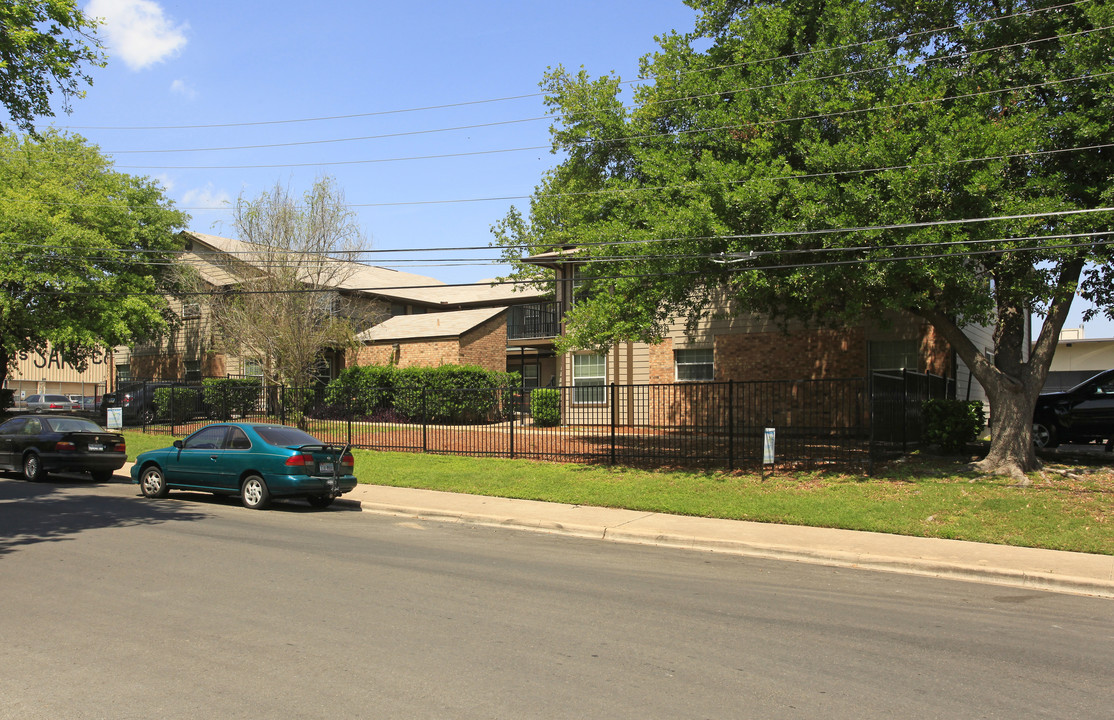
[{"x": 45, "y": 512}]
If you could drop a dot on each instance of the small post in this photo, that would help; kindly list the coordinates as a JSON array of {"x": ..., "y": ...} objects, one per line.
[{"x": 768, "y": 449}]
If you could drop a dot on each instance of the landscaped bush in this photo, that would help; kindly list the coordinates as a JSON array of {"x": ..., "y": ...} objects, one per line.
[
  {"x": 951, "y": 424},
  {"x": 177, "y": 403},
  {"x": 230, "y": 396},
  {"x": 362, "y": 389},
  {"x": 545, "y": 406},
  {"x": 454, "y": 394}
]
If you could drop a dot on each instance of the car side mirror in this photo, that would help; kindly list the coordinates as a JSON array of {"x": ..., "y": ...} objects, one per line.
[{"x": 178, "y": 444}]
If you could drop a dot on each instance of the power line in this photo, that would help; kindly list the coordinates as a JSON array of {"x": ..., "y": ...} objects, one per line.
[
  {"x": 467, "y": 103},
  {"x": 646, "y": 188},
  {"x": 636, "y": 276}
]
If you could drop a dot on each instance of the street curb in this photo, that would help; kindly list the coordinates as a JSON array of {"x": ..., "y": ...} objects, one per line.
[{"x": 1050, "y": 582}]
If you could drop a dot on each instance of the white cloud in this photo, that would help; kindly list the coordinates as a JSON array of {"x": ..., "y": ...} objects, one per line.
[
  {"x": 206, "y": 198},
  {"x": 181, "y": 87},
  {"x": 137, "y": 31},
  {"x": 165, "y": 180}
]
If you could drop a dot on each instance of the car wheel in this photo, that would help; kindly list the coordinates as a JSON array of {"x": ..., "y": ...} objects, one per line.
[
  {"x": 254, "y": 493},
  {"x": 153, "y": 483},
  {"x": 1044, "y": 434},
  {"x": 33, "y": 468},
  {"x": 320, "y": 501},
  {"x": 101, "y": 476}
]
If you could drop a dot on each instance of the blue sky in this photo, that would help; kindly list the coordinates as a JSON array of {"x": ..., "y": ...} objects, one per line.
[{"x": 185, "y": 65}]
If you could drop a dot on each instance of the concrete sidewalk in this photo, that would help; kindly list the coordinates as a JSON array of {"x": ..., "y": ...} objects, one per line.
[{"x": 1031, "y": 568}]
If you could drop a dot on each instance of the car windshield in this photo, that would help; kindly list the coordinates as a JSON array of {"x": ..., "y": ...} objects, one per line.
[
  {"x": 72, "y": 425},
  {"x": 283, "y": 436},
  {"x": 56, "y": 398}
]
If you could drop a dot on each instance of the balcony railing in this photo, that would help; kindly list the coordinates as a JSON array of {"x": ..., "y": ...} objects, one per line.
[{"x": 534, "y": 322}]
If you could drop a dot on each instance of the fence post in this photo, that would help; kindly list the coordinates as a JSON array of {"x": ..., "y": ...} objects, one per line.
[
  {"x": 614, "y": 411},
  {"x": 282, "y": 404},
  {"x": 870, "y": 388},
  {"x": 513, "y": 413},
  {"x": 730, "y": 425},
  {"x": 904, "y": 411},
  {"x": 348, "y": 414},
  {"x": 425, "y": 422}
]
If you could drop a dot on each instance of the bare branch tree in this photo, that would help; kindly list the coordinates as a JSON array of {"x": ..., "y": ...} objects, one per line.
[{"x": 286, "y": 306}]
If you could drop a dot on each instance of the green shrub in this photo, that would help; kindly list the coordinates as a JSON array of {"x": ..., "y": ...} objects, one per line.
[
  {"x": 454, "y": 394},
  {"x": 362, "y": 389},
  {"x": 545, "y": 406},
  {"x": 951, "y": 424},
  {"x": 176, "y": 404},
  {"x": 230, "y": 396}
]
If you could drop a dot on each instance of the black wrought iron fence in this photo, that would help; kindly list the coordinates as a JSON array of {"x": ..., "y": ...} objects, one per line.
[{"x": 813, "y": 423}]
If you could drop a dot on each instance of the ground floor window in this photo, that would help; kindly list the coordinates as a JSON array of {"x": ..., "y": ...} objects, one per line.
[
  {"x": 589, "y": 373},
  {"x": 123, "y": 373},
  {"x": 694, "y": 364}
]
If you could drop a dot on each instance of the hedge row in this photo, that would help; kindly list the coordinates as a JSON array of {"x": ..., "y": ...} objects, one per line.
[{"x": 445, "y": 394}]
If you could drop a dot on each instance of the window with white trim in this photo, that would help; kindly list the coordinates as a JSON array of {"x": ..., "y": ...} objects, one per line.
[
  {"x": 589, "y": 373},
  {"x": 694, "y": 364}
]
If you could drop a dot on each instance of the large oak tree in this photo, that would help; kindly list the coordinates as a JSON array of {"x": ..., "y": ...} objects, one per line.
[
  {"x": 45, "y": 46},
  {"x": 84, "y": 250},
  {"x": 833, "y": 160}
]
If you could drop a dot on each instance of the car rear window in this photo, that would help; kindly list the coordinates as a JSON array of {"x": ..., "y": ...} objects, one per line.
[
  {"x": 284, "y": 436},
  {"x": 72, "y": 425}
]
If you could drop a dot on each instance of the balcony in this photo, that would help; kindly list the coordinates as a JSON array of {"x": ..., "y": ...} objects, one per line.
[{"x": 536, "y": 321}]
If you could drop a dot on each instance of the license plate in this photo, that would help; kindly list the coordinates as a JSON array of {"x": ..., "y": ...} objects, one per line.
[
  {"x": 95, "y": 447},
  {"x": 325, "y": 467}
]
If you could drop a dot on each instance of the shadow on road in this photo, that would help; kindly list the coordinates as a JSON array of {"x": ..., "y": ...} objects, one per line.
[{"x": 46, "y": 512}]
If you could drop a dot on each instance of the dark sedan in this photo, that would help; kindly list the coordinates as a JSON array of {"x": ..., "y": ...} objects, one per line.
[
  {"x": 1084, "y": 413},
  {"x": 36, "y": 445}
]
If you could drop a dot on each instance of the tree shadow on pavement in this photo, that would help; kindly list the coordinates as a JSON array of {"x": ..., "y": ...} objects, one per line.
[{"x": 43, "y": 512}]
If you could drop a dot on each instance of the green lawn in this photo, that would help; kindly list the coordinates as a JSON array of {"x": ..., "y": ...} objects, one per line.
[{"x": 1063, "y": 509}]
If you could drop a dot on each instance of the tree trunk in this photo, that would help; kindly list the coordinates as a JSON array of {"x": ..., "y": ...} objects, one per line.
[{"x": 1011, "y": 430}]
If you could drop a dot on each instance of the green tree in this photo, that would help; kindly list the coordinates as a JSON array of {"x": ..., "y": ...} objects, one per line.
[
  {"x": 83, "y": 250},
  {"x": 286, "y": 307},
  {"x": 830, "y": 161},
  {"x": 43, "y": 46}
]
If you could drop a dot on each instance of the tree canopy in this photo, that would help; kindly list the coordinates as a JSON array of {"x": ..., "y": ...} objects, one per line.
[
  {"x": 830, "y": 161},
  {"x": 44, "y": 45},
  {"x": 84, "y": 250},
  {"x": 285, "y": 310}
]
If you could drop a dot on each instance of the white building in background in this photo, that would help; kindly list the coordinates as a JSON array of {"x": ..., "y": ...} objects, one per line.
[
  {"x": 50, "y": 372},
  {"x": 1077, "y": 359}
]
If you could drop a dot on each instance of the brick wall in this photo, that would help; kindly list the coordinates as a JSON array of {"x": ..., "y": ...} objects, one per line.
[
  {"x": 811, "y": 354},
  {"x": 486, "y": 345}
]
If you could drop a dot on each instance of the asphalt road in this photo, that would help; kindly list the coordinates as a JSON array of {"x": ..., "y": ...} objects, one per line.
[{"x": 193, "y": 607}]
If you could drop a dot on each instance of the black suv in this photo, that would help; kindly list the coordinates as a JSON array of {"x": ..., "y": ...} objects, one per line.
[
  {"x": 1083, "y": 414},
  {"x": 137, "y": 399}
]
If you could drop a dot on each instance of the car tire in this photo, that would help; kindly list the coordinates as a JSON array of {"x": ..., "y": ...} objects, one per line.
[
  {"x": 320, "y": 501},
  {"x": 1044, "y": 434},
  {"x": 152, "y": 483},
  {"x": 33, "y": 468},
  {"x": 254, "y": 493},
  {"x": 101, "y": 476}
]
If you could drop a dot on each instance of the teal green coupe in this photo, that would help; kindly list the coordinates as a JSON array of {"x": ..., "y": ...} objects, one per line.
[{"x": 255, "y": 461}]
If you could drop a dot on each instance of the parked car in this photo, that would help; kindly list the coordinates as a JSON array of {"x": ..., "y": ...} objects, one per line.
[
  {"x": 51, "y": 403},
  {"x": 255, "y": 461},
  {"x": 137, "y": 401},
  {"x": 37, "y": 445},
  {"x": 1084, "y": 413}
]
